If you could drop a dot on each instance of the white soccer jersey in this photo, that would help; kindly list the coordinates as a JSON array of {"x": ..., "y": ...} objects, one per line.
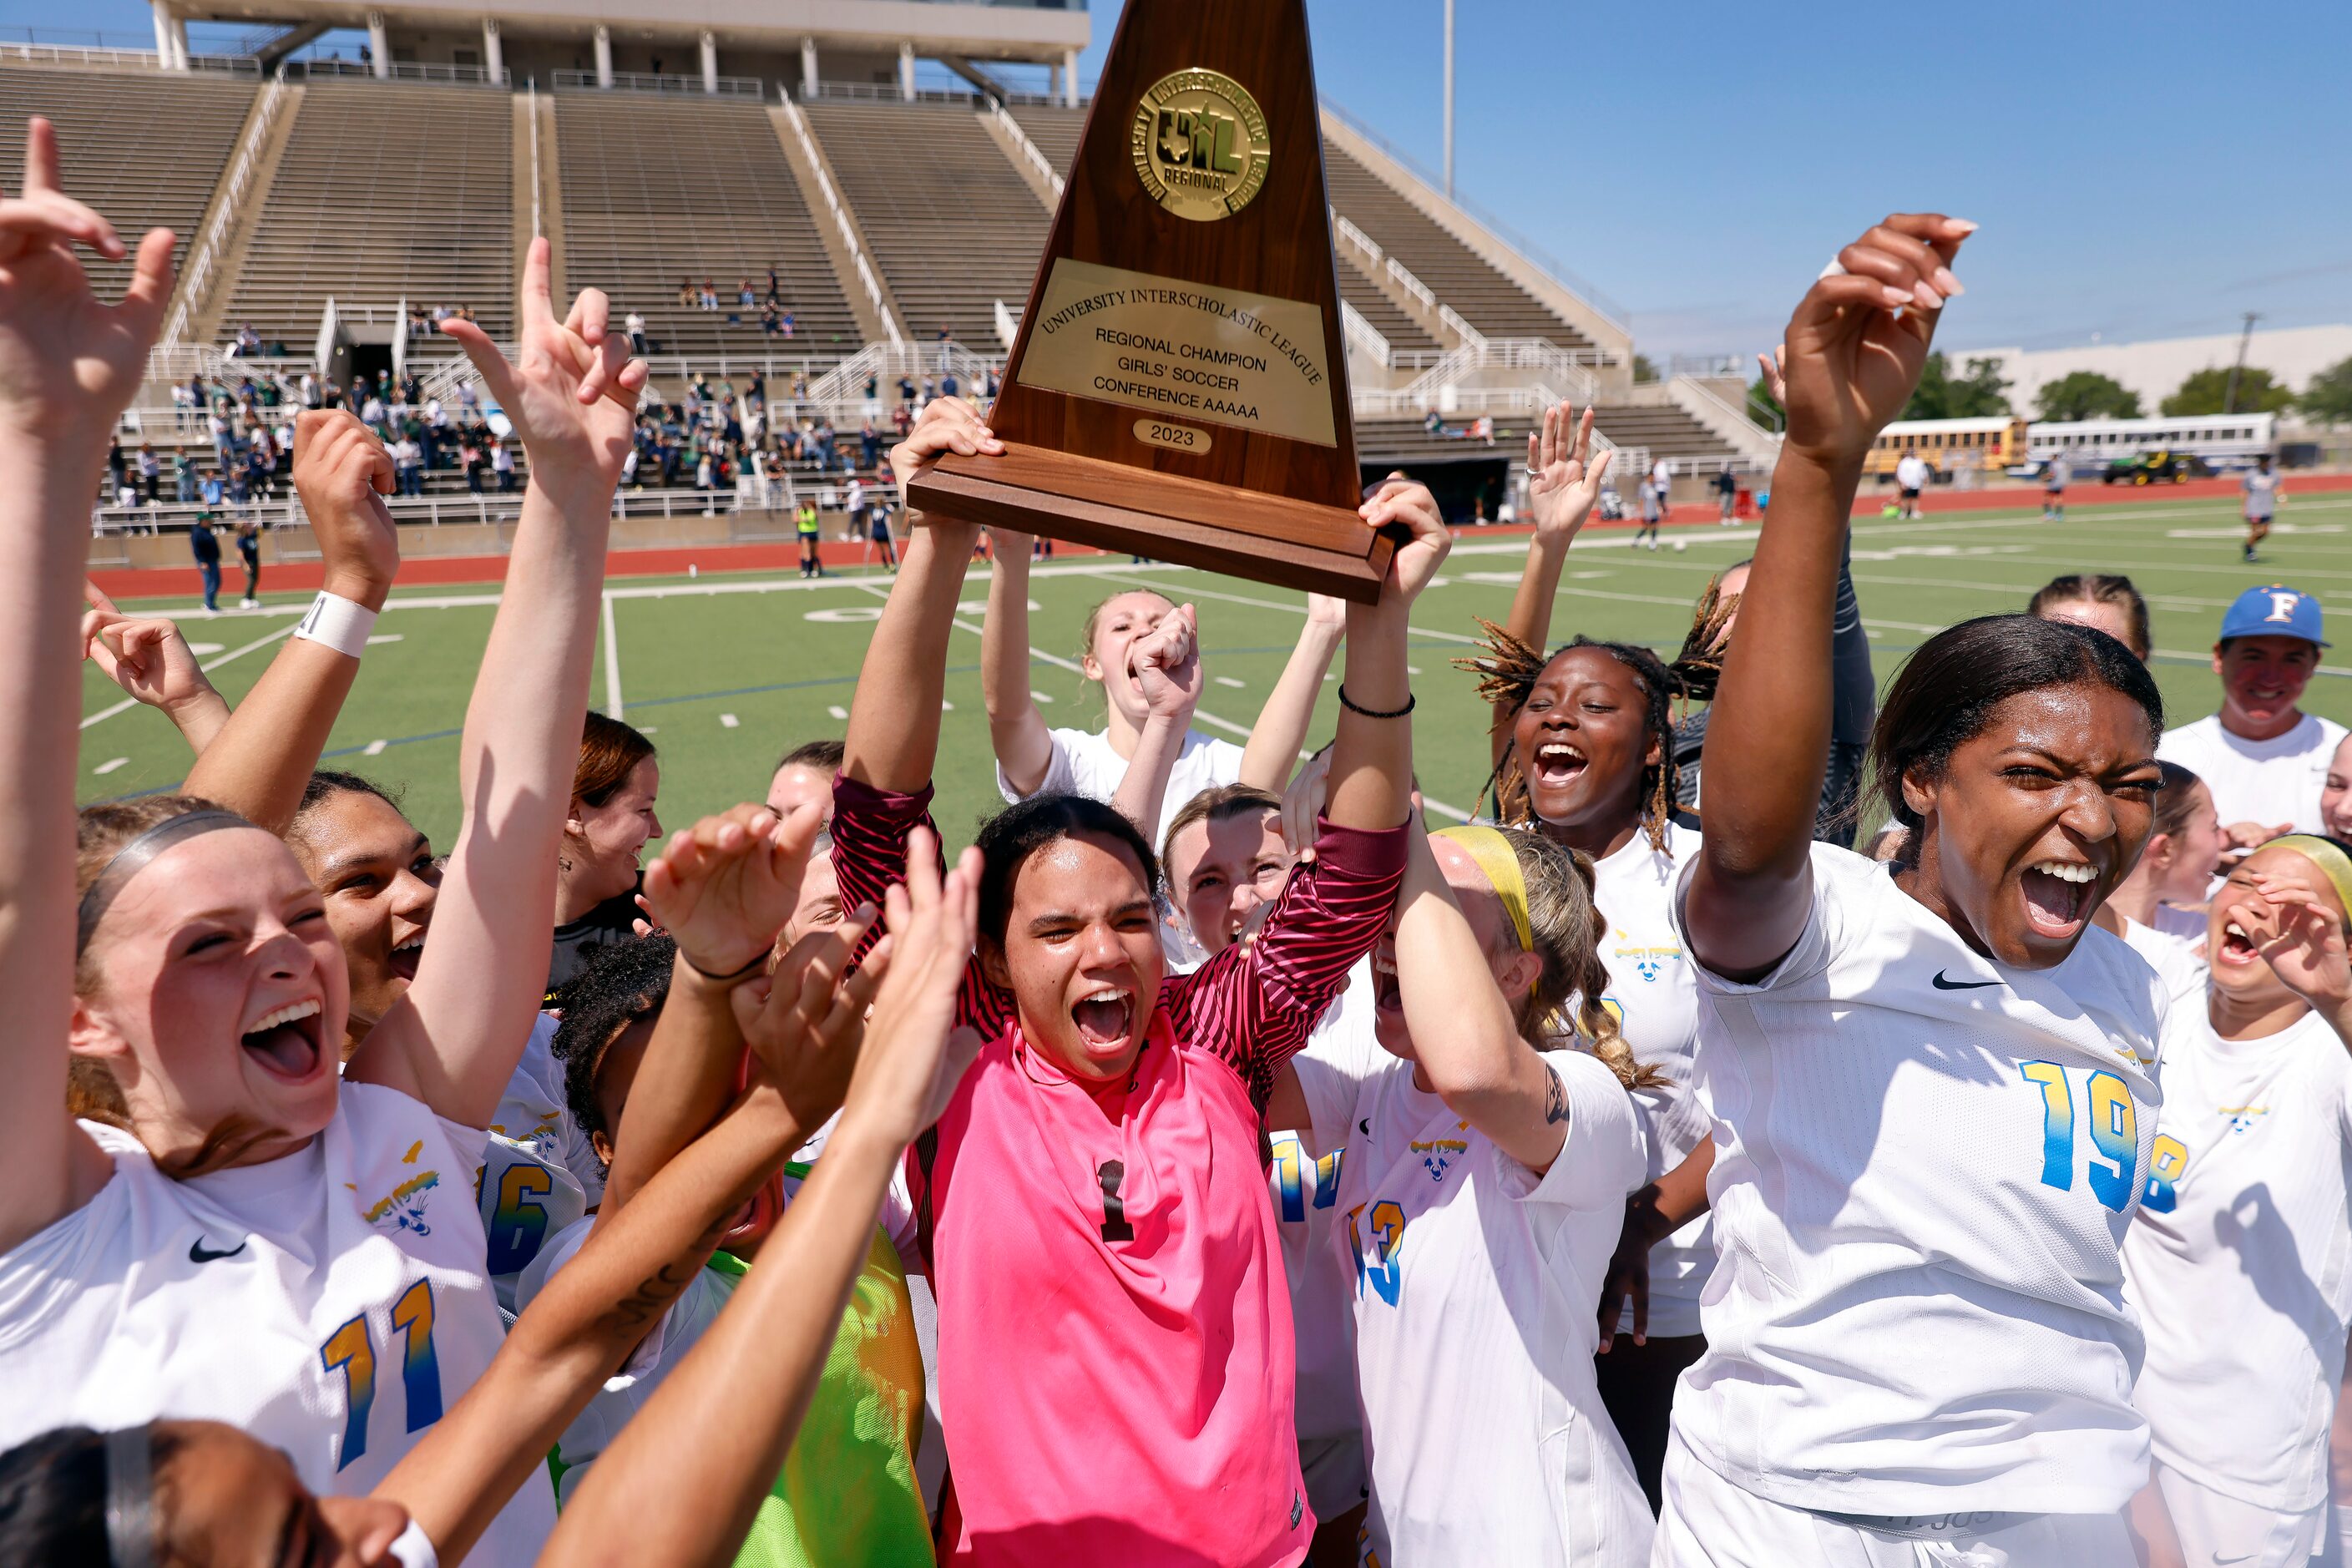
[
  {"x": 2268, "y": 782},
  {"x": 332, "y": 1303},
  {"x": 1926, "y": 1162},
  {"x": 2241, "y": 1262},
  {"x": 1475, "y": 1285},
  {"x": 537, "y": 1168},
  {"x": 2177, "y": 962},
  {"x": 1654, "y": 994},
  {"x": 1084, "y": 763}
]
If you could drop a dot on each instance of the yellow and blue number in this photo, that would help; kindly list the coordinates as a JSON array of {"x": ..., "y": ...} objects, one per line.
[
  {"x": 350, "y": 1351},
  {"x": 2113, "y": 1120}
]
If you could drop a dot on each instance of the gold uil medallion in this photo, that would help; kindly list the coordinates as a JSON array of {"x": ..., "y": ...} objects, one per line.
[{"x": 1200, "y": 144}]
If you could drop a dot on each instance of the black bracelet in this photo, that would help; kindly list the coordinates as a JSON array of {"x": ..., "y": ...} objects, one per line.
[
  {"x": 743, "y": 973},
  {"x": 1349, "y": 704}
]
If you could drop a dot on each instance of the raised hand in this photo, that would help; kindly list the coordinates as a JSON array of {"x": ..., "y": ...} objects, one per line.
[
  {"x": 69, "y": 364},
  {"x": 914, "y": 1055},
  {"x": 1168, "y": 666},
  {"x": 804, "y": 1021},
  {"x": 725, "y": 887},
  {"x": 1324, "y": 610},
  {"x": 147, "y": 657},
  {"x": 343, "y": 474},
  {"x": 1854, "y": 348},
  {"x": 1302, "y": 803},
  {"x": 1563, "y": 478},
  {"x": 1403, "y": 503},
  {"x": 2300, "y": 933},
  {"x": 572, "y": 391},
  {"x": 949, "y": 425}
]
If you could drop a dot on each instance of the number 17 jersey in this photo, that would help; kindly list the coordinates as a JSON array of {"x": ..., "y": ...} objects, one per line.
[{"x": 332, "y": 1304}]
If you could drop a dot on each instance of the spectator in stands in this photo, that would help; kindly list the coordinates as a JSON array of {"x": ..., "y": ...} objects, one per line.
[
  {"x": 207, "y": 549},
  {"x": 1433, "y": 423},
  {"x": 183, "y": 479},
  {"x": 117, "y": 465},
  {"x": 776, "y": 290},
  {"x": 685, "y": 296},
  {"x": 869, "y": 444},
  {"x": 407, "y": 465},
  {"x": 372, "y": 410},
  {"x": 743, "y": 295},
  {"x": 948, "y": 386},
  {"x": 1727, "y": 494},
  {"x": 469, "y": 454},
  {"x": 307, "y": 390},
  {"x": 217, "y": 422},
  {"x": 502, "y": 465},
  {"x": 787, "y": 324},
  {"x": 770, "y": 321},
  {"x": 331, "y": 397},
  {"x": 905, "y": 390},
  {"x": 709, "y": 295},
  {"x": 150, "y": 472}
]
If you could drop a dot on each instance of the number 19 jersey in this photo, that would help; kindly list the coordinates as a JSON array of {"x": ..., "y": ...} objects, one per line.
[{"x": 1926, "y": 1163}]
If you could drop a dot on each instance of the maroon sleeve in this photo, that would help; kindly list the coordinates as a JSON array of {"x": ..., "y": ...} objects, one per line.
[
  {"x": 1255, "y": 1003},
  {"x": 870, "y": 828}
]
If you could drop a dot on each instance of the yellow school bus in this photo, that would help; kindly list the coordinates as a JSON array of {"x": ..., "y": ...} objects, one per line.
[{"x": 1988, "y": 445}]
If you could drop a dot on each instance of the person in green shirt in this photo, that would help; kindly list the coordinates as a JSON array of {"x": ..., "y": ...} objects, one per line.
[{"x": 805, "y": 522}]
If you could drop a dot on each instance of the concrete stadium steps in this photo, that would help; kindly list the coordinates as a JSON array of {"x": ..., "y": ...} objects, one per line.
[
  {"x": 1405, "y": 441},
  {"x": 386, "y": 191},
  {"x": 658, "y": 190},
  {"x": 1459, "y": 276},
  {"x": 950, "y": 222},
  {"x": 145, "y": 149},
  {"x": 1665, "y": 429},
  {"x": 1054, "y": 129},
  {"x": 1055, "y": 133}
]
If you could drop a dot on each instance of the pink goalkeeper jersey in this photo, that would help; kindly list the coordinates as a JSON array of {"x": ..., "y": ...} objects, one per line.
[{"x": 1115, "y": 1339}]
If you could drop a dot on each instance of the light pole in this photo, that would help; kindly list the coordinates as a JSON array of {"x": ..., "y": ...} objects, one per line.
[
  {"x": 2230, "y": 397},
  {"x": 1449, "y": 100}
]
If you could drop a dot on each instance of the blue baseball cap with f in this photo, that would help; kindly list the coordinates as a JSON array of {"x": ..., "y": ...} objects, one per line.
[{"x": 2274, "y": 611}]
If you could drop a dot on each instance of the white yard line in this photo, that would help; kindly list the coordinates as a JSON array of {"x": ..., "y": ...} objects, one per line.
[{"x": 612, "y": 663}]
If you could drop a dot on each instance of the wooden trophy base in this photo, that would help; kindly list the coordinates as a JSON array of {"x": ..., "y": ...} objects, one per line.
[{"x": 1166, "y": 517}]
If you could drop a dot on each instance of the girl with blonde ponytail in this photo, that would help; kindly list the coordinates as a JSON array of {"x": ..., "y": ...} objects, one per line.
[{"x": 1489, "y": 1142}]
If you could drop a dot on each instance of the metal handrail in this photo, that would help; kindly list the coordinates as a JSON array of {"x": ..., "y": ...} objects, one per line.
[
  {"x": 1365, "y": 338},
  {"x": 1029, "y": 150},
  {"x": 425, "y": 71},
  {"x": 215, "y": 240},
  {"x": 123, "y": 59},
  {"x": 1601, "y": 304},
  {"x": 840, "y": 217},
  {"x": 677, "y": 86}
]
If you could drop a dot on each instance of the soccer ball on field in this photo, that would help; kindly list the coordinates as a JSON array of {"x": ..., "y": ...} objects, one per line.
[{"x": 1680, "y": 546}]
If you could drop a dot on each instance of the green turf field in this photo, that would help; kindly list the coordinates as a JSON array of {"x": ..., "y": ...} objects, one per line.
[{"x": 726, "y": 673}]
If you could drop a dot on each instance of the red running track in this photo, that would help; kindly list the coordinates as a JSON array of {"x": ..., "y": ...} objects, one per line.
[{"x": 304, "y": 576}]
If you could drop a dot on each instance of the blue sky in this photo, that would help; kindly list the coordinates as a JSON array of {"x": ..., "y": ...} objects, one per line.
[{"x": 2149, "y": 171}]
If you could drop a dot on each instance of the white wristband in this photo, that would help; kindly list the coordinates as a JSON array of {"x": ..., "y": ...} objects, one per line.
[{"x": 340, "y": 624}]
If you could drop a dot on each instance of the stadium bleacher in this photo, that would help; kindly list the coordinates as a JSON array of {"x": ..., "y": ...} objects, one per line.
[
  {"x": 1458, "y": 276},
  {"x": 386, "y": 192},
  {"x": 952, "y": 226},
  {"x": 144, "y": 147},
  {"x": 658, "y": 190}
]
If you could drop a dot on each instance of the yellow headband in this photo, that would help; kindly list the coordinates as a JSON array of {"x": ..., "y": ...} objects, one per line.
[
  {"x": 1492, "y": 849},
  {"x": 2333, "y": 863}
]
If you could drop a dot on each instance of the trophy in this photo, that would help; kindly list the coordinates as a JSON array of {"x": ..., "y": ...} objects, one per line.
[{"x": 1179, "y": 385}]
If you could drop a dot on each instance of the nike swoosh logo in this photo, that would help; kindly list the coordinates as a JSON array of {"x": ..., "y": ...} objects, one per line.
[
  {"x": 1365, "y": 1126},
  {"x": 1941, "y": 984},
  {"x": 199, "y": 1253}
]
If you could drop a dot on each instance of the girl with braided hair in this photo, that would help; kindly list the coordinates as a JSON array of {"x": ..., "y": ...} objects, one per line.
[
  {"x": 1482, "y": 1142},
  {"x": 1583, "y": 752}
]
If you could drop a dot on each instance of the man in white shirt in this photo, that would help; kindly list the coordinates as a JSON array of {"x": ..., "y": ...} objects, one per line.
[
  {"x": 1913, "y": 474},
  {"x": 2263, "y": 758}
]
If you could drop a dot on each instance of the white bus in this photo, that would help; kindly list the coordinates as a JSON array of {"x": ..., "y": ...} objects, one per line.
[{"x": 2223, "y": 440}]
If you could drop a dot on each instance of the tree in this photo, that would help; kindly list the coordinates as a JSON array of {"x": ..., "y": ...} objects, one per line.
[
  {"x": 1645, "y": 369},
  {"x": 2328, "y": 398},
  {"x": 1941, "y": 395},
  {"x": 2087, "y": 394},
  {"x": 1763, "y": 407},
  {"x": 2204, "y": 390}
]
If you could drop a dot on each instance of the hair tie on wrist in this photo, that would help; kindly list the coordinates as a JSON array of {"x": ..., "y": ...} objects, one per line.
[
  {"x": 742, "y": 974},
  {"x": 1350, "y": 705}
]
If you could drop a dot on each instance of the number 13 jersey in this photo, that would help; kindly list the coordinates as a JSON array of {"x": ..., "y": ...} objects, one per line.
[
  {"x": 332, "y": 1304},
  {"x": 1925, "y": 1165}
]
